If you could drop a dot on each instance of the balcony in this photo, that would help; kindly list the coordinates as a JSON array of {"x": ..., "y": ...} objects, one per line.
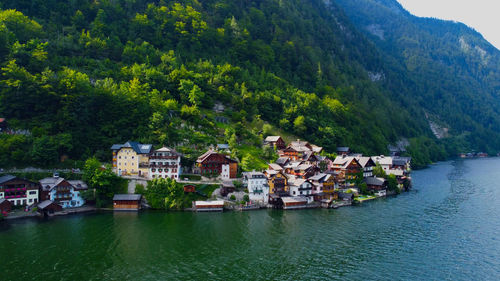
[
  {"x": 164, "y": 166},
  {"x": 164, "y": 157},
  {"x": 15, "y": 196}
]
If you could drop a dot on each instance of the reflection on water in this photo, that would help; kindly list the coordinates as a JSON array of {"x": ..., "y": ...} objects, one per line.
[{"x": 445, "y": 229}]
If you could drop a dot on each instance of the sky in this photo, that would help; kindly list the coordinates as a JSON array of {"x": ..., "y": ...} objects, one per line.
[{"x": 482, "y": 15}]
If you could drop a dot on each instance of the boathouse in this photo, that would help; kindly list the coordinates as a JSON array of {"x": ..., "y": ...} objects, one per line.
[
  {"x": 48, "y": 207},
  {"x": 127, "y": 202},
  {"x": 297, "y": 202},
  {"x": 209, "y": 206}
]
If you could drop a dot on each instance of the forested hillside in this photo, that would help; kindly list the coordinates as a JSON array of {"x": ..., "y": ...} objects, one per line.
[
  {"x": 451, "y": 71},
  {"x": 80, "y": 75}
]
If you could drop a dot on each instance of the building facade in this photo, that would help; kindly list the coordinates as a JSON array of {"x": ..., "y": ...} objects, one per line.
[
  {"x": 256, "y": 183},
  {"x": 165, "y": 163},
  {"x": 131, "y": 159},
  {"x": 19, "y": 192},
  {"x": 66, "y": 193},
  {"x": 212, "y": 163}
]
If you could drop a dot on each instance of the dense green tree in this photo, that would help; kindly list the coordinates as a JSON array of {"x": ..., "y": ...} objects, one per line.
[{"x": 103, "y": 183}]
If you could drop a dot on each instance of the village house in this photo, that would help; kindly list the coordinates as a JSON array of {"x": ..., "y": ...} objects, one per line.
[
  {"x": 5, "y": 206},
  {"x": 275, "y": 142},
  {"x": 277, "y": 182},
  {"x": 212, "y": 163},
  {"x": 275, "y": 167},
  {"x": 343, "y": 150},
  {"x": 348, "y": 168},
  {"x": 282, "y": 161},
  {"x": 48, "y": 207},
  {"x": 227, "y": 187},
  {"x": 304, "y": 171},
  {"x": 127, "y": 202},
  {"x": 66, "y": 193},
  {"x": 367, "y": 165},
  {"x": 19, "y": 192},
  {"x": 165, "y": 163},
  {"x": 324, "y": 186},
  {"x": 310, "y": 157},
  {"x": 131, "y": 158},
  {"x": 384, "y": 161},
  {"x": 258, "y": 188},
  {"x": 296, "y": 150},
  {"x": 375, "y": 184},
  {"x": 301, "y": 187},
  {"x": 401, "y": 163}
]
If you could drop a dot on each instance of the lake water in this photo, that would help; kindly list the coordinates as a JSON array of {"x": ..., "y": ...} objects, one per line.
[{"x": 446, "y": 228}]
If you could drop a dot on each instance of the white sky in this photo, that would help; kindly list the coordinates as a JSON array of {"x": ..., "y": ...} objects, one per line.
[{"x": 482, "y": 15}]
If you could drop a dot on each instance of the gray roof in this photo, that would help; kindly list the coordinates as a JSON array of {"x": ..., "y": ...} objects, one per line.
[
  {"x": 318, "y": 177},
  {"x": 344, "y": 195},
  {"x": 6, "y": 178},
  {"x": 282, "y": 161},
  {"x": 343, "y": 149},
  {"x": 253, "y": 175},
  {"x": 400, "y": 161},
  {"x": 374, "y": 181},
  {"x": 137, "y": 147},
  {"x": 49, "y": 183},
  {"x": 2, "y": 200},
  {"x": 275, "y": 167},
  {"x": 44, "y": 204},
  {"x": 272, "y": 138},
  {"x": 78, "y": 184},
  {"x": 222, "y": 146},
  {"x": 127, "y": 197}
]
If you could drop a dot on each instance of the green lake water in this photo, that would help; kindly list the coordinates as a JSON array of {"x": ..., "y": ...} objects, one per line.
[{"x": 446, "y": 228}]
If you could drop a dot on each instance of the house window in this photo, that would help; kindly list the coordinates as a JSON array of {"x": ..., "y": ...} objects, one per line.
[
  {"x": 294, "y": 193},
  {"x": 32, "y": 192}
]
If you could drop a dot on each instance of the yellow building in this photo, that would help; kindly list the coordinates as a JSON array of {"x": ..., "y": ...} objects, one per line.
[
  {"x": 278, "y": 182},
  {"x": 131, "y": 159}
]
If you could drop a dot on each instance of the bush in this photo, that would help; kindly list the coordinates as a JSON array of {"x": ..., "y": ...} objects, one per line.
[
  {"x": 246, "y": 198},
  {"x": 139, "y": 189},
  {"x": 232, "y": 197}
]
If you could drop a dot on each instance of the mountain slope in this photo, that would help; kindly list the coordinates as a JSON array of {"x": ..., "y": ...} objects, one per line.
[
  {"x": 452, "y": 72},
  {"x": 81, "y": 75}
]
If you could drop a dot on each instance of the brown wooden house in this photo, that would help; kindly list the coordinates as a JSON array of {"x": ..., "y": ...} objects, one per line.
[
  {"x": 212, "y": 163},
  {"x": 48, "y": 207},
  {"x": 5, "y": 207},
  {"x": 127, "y": 202},
  {"x": 348, "y": 168},
  {"x": 275, "y": 142}
]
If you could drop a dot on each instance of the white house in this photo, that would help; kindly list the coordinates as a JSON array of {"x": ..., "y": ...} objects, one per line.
[
  {"x": 384, "y": 161},
  {"x": 66, "y": 193},
  {"x": 256, "y": 183},
  {"x": 301, "y": 187},
  {"x": 165, "y": 163}
]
